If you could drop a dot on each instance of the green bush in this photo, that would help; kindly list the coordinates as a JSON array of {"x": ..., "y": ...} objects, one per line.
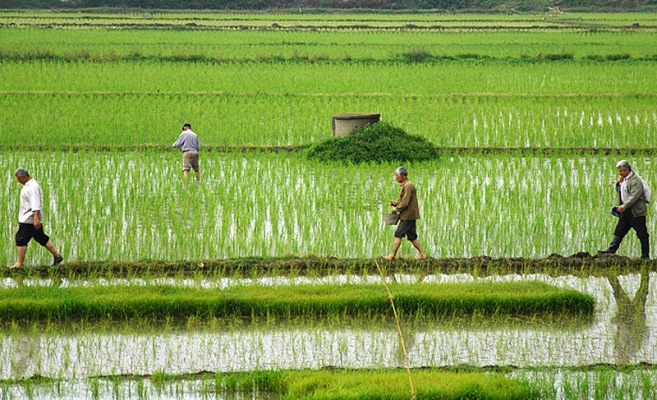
[
  {"x": 380, "y": 142},
  {"x": 416, "y": 55}
]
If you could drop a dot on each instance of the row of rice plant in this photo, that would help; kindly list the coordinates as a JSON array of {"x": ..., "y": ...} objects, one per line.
[
  {"x": 135, "y": 205},
  {"x": 166, "y": 301},
  {"x": 559, "y": 79},
  {"x": 80, "y": 349},
  {"x": 319, "y": 15},
  {"x": 112, "y": 44},
  {"x": 599, "y": 383},
  {"x": 602, "y": 383},
  {"x": 91, "y": 120},
  {"x": 85, "y": 348},
  {"x": 318, "y": 384},
  {"x": 296, "y": 346},
  {"x": 308, "y": 19}
]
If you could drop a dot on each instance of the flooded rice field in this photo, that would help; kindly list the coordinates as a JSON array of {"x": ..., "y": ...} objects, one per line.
[
  {"x": 285, "y": 205},
  {"x": 623, "y": 331}
]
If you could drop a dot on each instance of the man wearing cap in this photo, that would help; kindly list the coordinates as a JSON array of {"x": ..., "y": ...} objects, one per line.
[
  {"x": 30, "y": 219},
  {"x": 633, "y": 209},
  {"x": 188, "y": 143},
  {"x": 409, "y": 211}
]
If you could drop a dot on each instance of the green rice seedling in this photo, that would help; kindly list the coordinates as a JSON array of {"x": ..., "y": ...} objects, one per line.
[
  {"x": 480, "y": 105},
  {"x": 598, "y": 383},
  {"x": 390, "y": 384},
  {"x": 157, "y": 302},
  {"x": 218, "y": 37},
  {"x": 648, "y": 386},
  {"x": 95, "y": 388},
  {"x": 300, "y": 207},
  {"x": 506, "y": 89},
  {"x": 542, "y": 383},
  {"x": 371, "y": 343}
]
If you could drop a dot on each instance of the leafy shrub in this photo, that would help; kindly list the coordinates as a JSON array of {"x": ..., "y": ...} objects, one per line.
[
  {"x": 380, "y": 142},
  {"x": 416, "y": 55}
]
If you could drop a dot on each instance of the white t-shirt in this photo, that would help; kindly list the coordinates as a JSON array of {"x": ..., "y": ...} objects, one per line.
[{"x": 31, "y": 200}]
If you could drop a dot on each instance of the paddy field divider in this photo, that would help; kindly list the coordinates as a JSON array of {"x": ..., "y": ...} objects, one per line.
[
  {"x": 581, "y": 264},
  {"x": 490, "y": 150},
  {"x": 164, "y": 301}
]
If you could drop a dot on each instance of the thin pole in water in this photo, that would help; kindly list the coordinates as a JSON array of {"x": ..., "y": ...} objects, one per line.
[{"x": 401, "y": 337}]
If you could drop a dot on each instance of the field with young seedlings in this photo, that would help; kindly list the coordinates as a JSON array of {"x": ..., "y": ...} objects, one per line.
[
  {"x": 263, "y": 279},
  {"x": 134, "y": 205}
]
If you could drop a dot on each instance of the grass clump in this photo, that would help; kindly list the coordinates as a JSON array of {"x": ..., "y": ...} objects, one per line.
[
  {"x": 380, "y": 142},
  {"x": 417, "y": 55}
]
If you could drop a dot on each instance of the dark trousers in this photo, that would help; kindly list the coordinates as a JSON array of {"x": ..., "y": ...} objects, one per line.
[{"x": 627, "y": 222}]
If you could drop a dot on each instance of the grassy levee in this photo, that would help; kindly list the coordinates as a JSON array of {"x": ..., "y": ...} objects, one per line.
[
  {"x": 581, "y": 264},
  {"x": 27, "y": 303}
]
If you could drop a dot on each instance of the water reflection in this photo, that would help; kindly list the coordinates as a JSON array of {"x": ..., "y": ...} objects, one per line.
[
  {"x": 622, "y": 331},
  {"x": 631, "y": 320}
]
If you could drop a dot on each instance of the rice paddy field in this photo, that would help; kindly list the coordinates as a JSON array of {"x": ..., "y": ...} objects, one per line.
[{"x": 530, "y": 113}]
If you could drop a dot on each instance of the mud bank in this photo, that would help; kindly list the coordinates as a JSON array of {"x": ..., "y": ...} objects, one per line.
[{"x": 580, "y": 264}]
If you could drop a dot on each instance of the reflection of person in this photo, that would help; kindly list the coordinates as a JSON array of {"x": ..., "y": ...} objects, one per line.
[
  {"x": 633, "y": 209},
  {"x": 188, "y": 143},
  {"x": 30, "y": 218},
  {"x": 631, "y": 320},
  {"x": 409, "y": 211}
]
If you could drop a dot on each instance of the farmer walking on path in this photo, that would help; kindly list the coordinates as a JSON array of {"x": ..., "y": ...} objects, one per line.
[
  {"x": 633, "y": 209},
  {"x": 188, "y": 143},
  {"x": 30, "y": 219},
  {"x": 409, "y": 212}
]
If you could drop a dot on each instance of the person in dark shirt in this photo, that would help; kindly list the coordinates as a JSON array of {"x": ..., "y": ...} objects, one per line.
[{"x": 409, "y": 212}]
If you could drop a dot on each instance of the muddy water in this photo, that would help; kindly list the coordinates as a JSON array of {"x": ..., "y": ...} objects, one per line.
[{"x": 623, "y": 331}]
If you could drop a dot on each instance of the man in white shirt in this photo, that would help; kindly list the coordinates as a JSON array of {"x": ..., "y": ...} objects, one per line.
[
  {"x": 30, "y": 217},
  {"x": 188, "y": 143}
]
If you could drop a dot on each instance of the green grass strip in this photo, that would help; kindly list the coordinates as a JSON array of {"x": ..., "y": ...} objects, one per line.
[
  {"x": 378, "y": 384},
  {"x": 28, "y": 303}
]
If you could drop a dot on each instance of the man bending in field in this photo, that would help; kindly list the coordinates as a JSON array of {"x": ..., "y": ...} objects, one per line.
[
  {"x": 188, "y": 143},
  {"x": 409, "y": 211}
]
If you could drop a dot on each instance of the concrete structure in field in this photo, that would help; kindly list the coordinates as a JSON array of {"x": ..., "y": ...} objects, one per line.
[{"x": 343, "y": 124}]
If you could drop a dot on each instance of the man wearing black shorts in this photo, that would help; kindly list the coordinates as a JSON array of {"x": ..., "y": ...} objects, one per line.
[
  {"x": 30, "y": 216},
  {"x": 408, "y": 209}
]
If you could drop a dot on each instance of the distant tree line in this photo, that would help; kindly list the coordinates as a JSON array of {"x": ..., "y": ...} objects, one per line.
[{"x": 447, "y": 5}]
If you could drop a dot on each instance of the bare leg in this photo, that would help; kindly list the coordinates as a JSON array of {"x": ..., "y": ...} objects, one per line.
[
  {"x": 185, "y": 174},
  {"x": 395, "y": 248},
  {"x": 416, "y": 244},
  {"x": 22, "y": 250},
  {"x": 51, "y": 248},
  {"x": 198, "y": 175}
]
